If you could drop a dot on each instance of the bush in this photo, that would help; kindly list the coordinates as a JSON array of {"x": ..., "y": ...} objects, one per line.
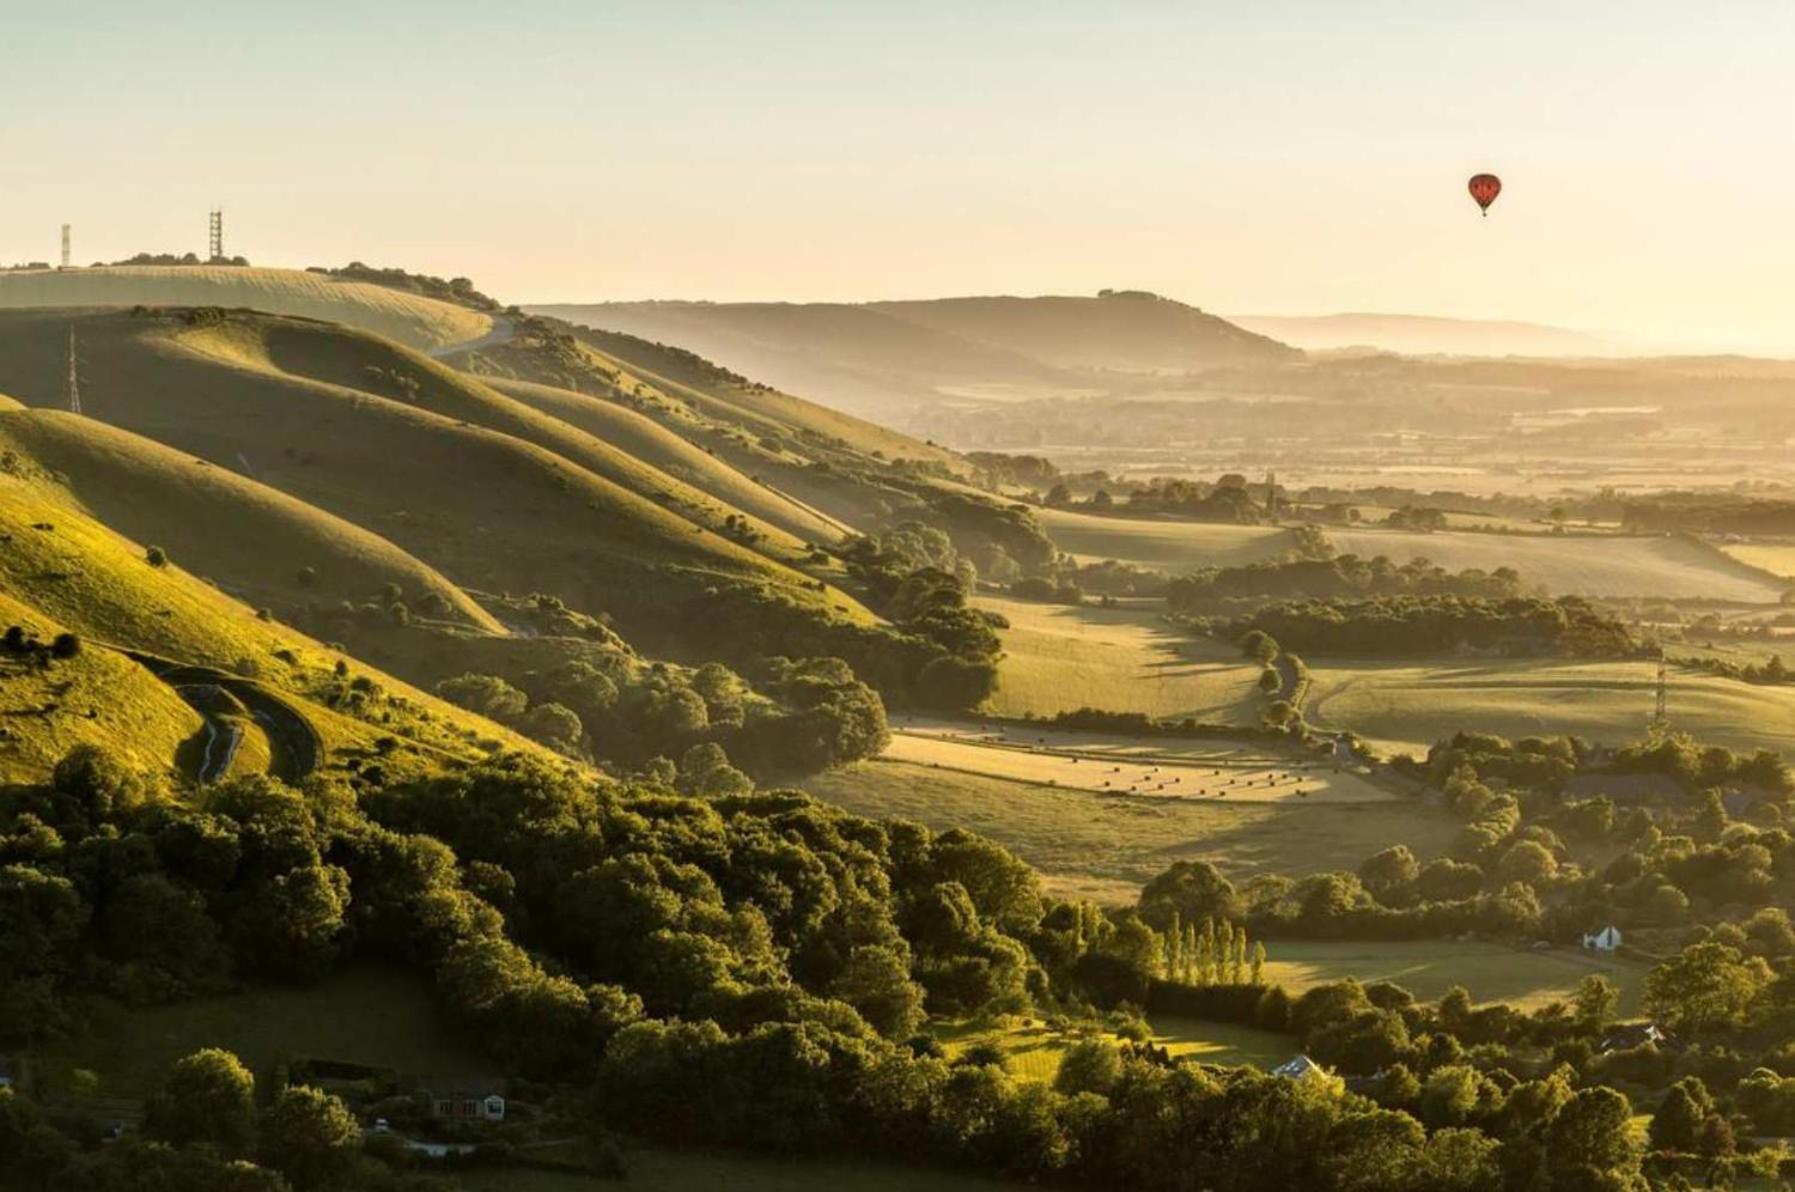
[{"x": 155, "y": 556}]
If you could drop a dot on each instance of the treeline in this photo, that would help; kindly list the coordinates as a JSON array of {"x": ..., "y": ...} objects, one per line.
[
  {"x": 458, "y": 290},
  {"x": 1709, "y": 513},
  {"x": 1342, "y": 576},
  {"x": 1419, "y": 625}
]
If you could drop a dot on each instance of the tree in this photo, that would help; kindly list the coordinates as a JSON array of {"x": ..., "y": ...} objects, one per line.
[
  {"x": 1590, "y": 1143},
  {"x": 1709, "y": 984},
  {"x": 1595, "y": 1002},
  {"x": 208, "y": 1097},
  {"x": 487, "y": 695},
  {"x": 65, "y": 646},
  {"x": 155, "y": 556},
  {"x": 1676, "y": 1127},
  {"x": 1089, "y": 1066},
  {"x": 1391, "y": 874},
  {"x": 309, "y": 1136},
  {"x": 876, "y": 981},
  {"x": 1193, "y": 890}
]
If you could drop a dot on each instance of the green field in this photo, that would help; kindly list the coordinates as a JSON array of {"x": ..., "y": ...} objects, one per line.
[
  {"x": 1411, "y": 705},
  {"x": 384, "y": 1017},
  {"x": 1105, "y": 847},
  {"x": 1175, "y": 546},
  {"x": 1033, "y": 1051},
  {"x": 1584, "y": 565},
  {"x": 1126, "y": 659},
  {"x": 1428, "y": 968}
]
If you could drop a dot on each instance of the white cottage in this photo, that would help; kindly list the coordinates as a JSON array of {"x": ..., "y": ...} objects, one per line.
[{"x": 1605, "y": 940}]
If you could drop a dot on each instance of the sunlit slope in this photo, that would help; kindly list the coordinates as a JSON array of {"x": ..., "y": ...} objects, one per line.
[
  {"x": 647, "y": 440},
  {"x": 409, "y": 318},
  {"x": 80, "y": 574},
  {"x": 44, "y": 714},
  {"x": 369, "y": 363},
  {"x": 1602, "y": 565},
  {"x": 255, "y": 541},
  {"x": 487, "y": 509}
]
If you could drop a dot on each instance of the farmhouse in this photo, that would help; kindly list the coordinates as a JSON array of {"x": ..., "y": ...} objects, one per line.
[
  {"x": 466, "y": 1098},
  {"x": 1606, "y": 940}
]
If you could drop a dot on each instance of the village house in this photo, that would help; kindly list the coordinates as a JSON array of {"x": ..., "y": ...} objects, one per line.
[
  {"x": 1608, "y": 939},
  {"x": 466, "y": 1098}
]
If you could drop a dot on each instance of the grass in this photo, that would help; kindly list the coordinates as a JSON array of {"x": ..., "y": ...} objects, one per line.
[
  {"x": 1105, "y": 847},
  {"x": 1584, "y": 565},
  {"x": 1428, "y": 968},
  {"x": 1122, "y": 660},
  {"x": 1034, "y": 1051},
  {"x": 251, "y": 538},
  {"x": 409, "y": 318},
  {"x": 1411, "y": 704},
  {"x": 1174, "y": 546},
  {"x": 368, "y": 1014},
  {"x": 1778, "y": 558},
  {"x": 137, "y": 717}
]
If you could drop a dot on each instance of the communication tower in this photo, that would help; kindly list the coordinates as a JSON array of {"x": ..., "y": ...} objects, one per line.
[
  {"x": 74, "y": 382},
  {"x": 65, "y": 246},
  {"x": 1660, "y": 723},
  {"x": 215, "y": 234}
]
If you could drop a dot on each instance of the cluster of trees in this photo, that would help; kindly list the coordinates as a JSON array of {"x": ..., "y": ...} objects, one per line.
[
  {"x": 1228, "y": 499},
  {"x": 20, "y": 642},
  {"x": 1709, "y": 513},
  {"x": 1770, "y": 673},
  {"x": 1417, "y": 625},
  {"x": 170, "y": 258},
  {"x": 458, "y": 290},
  {"x": 917, "y": 580},
  {"x": 1343, "y": 576}
]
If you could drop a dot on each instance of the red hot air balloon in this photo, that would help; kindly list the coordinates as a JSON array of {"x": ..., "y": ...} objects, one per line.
[{"x": 1484, "y": 188}]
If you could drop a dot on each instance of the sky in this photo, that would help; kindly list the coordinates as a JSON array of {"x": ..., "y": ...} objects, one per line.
[{"x": 1256, "y": 156}]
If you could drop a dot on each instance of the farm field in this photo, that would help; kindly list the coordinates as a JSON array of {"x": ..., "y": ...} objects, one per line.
[
  {"x": 1175, "y": 546},
  {"x": 1104, "y": 847},
  {"x": 1411, "y": 705},
  {"x": 1778, "y": 558},
  {"x": 1058, "y": 658},
  {"x": 1166, "y": 768},
  {"x": 1428, "y": 968},
  {"x": 373, "y": 1015},
  {"x": 1581, "y": 565}
]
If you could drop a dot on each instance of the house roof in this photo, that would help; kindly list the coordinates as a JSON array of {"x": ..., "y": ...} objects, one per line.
[{"x": 1296, "y": 1065}]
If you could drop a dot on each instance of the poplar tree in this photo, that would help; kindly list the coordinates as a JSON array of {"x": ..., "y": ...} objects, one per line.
[
  {"x": 1259, "y": 963},
  {"x": 1174, "y": 949}
]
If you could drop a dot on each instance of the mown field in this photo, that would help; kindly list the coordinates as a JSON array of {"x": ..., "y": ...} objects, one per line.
[
  {"x": 1410, "y": 705},
  {"x": 1428, "y": 968},
  {"x": 1175, "y": 546},
  {"x": 1106, "y": 846},
  {"x": 1778, "y": 558},
  {"x": 1126, "y": 659},
  {"x": 1033, "y": 1051},
  {"x": 1583, "y": 565}
]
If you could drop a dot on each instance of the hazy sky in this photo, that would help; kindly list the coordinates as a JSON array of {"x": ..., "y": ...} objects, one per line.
[{"x": 1248, "y": 156}]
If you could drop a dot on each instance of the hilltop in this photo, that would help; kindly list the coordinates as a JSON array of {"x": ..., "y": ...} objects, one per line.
[{"x": 880, "y": 358}]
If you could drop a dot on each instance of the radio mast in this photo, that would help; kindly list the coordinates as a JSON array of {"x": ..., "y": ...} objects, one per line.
[
  {"x": 74, "y": 382},
  {"x": 65, "y": 246},
  {"x": 215, "y": 234}
]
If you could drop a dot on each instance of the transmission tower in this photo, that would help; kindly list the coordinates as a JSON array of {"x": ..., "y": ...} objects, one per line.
[
  {"x": 74, "y": 384},
  {"x": 215, "y": 234},
  {"x": 65, "y": 246},
  {"x": 1660, "y": 723}
]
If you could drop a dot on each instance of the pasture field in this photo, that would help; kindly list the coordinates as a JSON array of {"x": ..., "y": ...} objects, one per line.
[
  {"x": 1409, "y": 705},
  {"x": 1778, "y": 558},
  {"x": 1165, "y": 768},
  {"x": 411, "y": 319},
  {"x": 368, "y": 1014},
  {"x": 1175, "y": 546},
  {"x": 1577, "y": 564},
  {"x": 1428, "y": 968},
  {"x": 1033, "y": 1051},
  {"x": 1058, "y": 658},
  {"x": 1105, "y": 847}
]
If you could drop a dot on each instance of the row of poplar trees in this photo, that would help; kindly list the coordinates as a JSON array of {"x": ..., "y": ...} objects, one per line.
[{"x": 1216, "y": 953}]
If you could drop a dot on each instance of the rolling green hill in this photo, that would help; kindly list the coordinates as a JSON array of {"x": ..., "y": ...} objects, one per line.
[{"x": 408, "y": 318}]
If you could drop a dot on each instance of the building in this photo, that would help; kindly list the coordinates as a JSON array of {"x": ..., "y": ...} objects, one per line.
[
  {"x": 466, "y": 1098},
  {"x": 1297, "y": 1067},
  {"x": 1605, "y": 940},
  {"x": 1636, "y": 1034}
]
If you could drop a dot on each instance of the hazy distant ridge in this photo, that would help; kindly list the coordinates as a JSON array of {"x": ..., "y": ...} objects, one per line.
[{"x": 1422, "y": 335}]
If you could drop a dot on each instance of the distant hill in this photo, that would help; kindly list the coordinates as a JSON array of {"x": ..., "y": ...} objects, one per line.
[
  {"x": 1426, "y": 335},
  {"x": 878, "y": 358}
]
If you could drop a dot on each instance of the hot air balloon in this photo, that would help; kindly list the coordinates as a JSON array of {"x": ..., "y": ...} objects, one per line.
[{"x": 1484, "y": 188}]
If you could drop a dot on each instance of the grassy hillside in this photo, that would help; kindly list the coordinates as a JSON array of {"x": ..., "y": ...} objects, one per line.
[
  {"x": 1412, "y": 705},
  {"x": 1602, "y": 565},
  {"x": 70, "y": 571},
  {"x": 45, "y": 713},
  {"x": 485, "y": 508},
  {"x": 1059, "y": 658},
  {"x": 408, "y": 318},
  {"x": 1175, "y": 546},
  {"x": 252, "y": 539},
  {"x": 1428, "y": 968}
]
